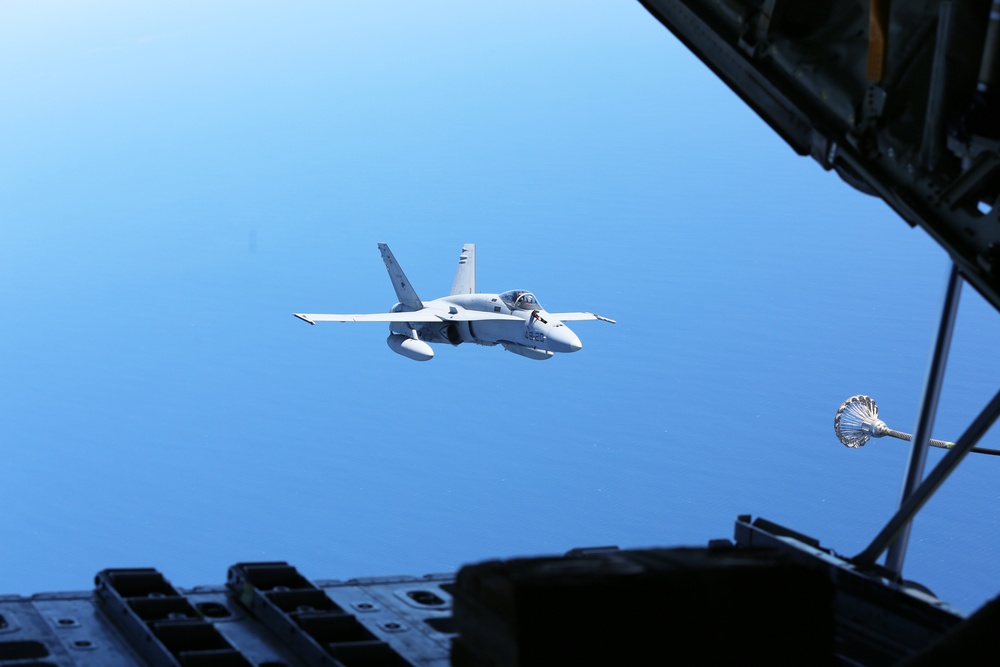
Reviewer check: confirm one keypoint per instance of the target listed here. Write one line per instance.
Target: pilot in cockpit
(520, 299)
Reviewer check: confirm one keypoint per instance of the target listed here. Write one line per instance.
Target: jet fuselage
(533, 329)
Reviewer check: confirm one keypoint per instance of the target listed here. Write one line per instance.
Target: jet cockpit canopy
(520, 299)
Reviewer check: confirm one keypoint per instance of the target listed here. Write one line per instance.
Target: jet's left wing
(475, 316)
(424, 315)
(412, 316)
(577, 317)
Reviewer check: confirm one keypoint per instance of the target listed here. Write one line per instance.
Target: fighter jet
(513, 319)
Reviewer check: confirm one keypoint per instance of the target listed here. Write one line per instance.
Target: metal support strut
(895, 534)
(927, 488)
(926, 413)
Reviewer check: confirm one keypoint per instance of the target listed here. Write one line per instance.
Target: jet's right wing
(413, 316)
(579, 317)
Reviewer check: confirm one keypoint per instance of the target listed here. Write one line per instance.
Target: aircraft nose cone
(562, 339)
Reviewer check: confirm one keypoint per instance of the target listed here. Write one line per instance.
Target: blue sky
(177, 180)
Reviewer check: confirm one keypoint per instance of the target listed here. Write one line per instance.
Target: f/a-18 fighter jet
(513, 319)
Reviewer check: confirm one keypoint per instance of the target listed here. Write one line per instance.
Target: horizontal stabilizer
(579, 317)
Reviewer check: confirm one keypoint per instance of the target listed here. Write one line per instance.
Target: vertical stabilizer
(404, 291)
(465, 277)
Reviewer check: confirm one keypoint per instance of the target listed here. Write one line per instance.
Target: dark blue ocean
(175, 182)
